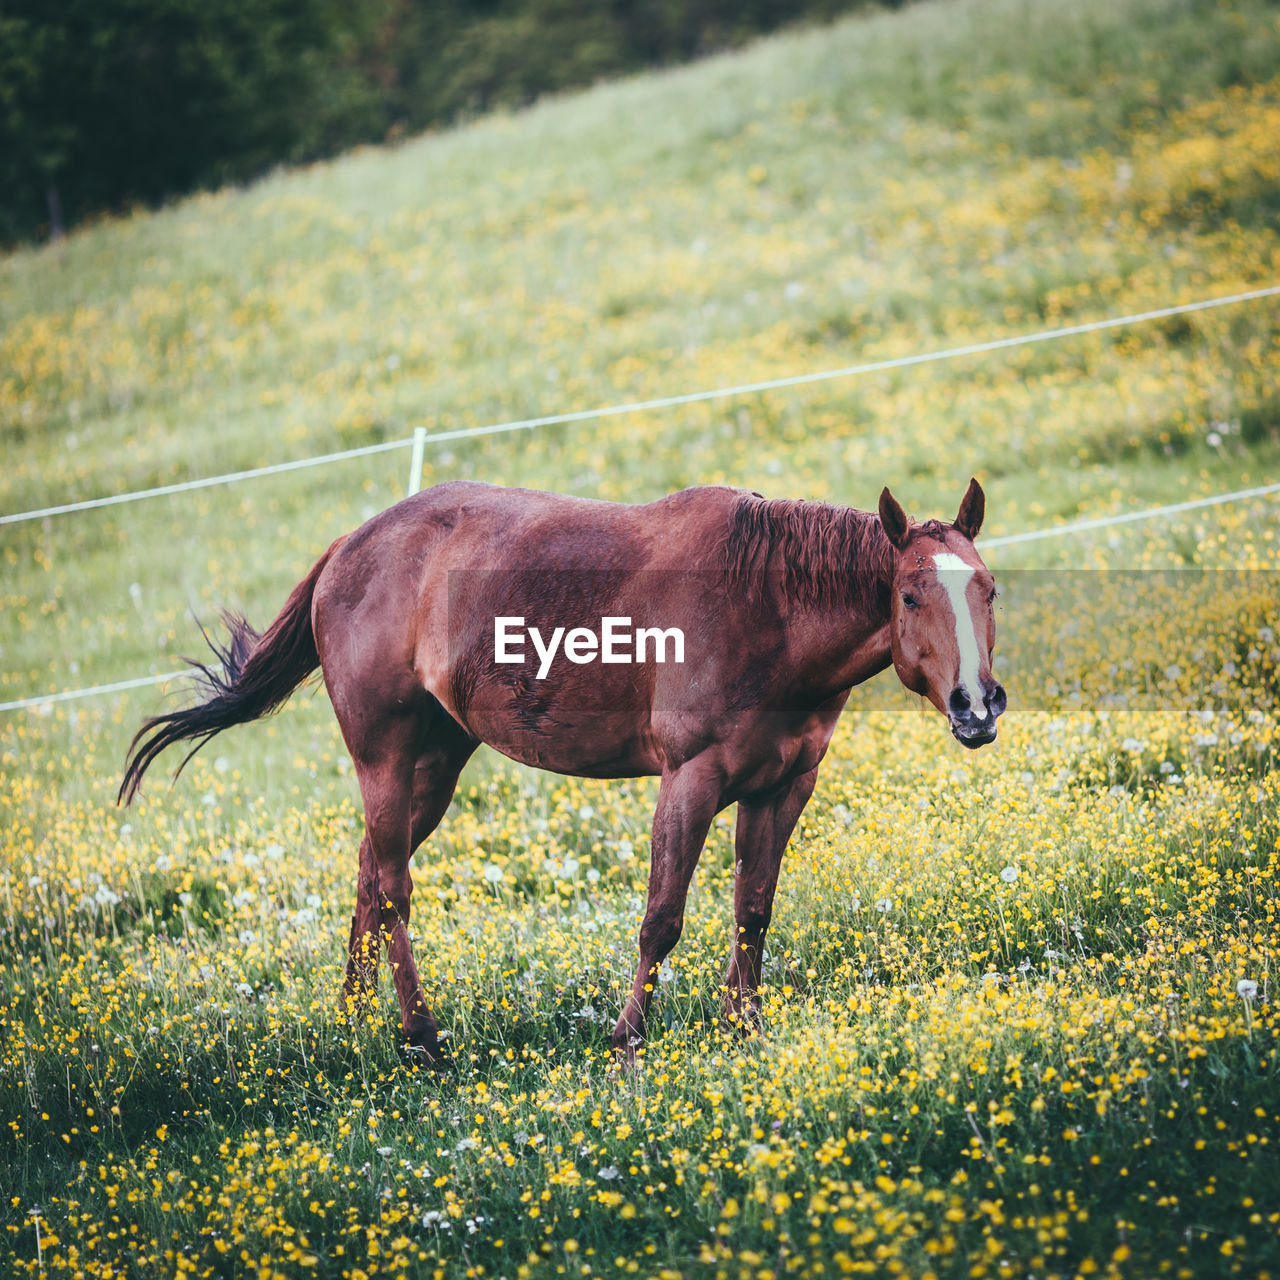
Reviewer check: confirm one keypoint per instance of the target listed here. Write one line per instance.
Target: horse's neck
(839, 649)
(831, 570)
(822, 557)
(851, 641)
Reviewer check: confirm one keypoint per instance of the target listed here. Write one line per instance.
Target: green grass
(898, 182)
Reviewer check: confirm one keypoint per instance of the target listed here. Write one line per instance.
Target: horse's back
(412, 599)
(490, 522)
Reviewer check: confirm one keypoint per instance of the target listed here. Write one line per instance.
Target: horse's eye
(991, 599)
(910, 601)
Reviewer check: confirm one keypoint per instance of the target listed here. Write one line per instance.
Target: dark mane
(828, 556)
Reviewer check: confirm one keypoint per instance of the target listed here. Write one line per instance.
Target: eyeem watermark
(616, 642)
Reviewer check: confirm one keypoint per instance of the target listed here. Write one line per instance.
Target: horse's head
(941, 626)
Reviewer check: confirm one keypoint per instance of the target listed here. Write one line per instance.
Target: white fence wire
(421, 438)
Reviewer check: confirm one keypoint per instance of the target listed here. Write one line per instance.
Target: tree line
(109, 103)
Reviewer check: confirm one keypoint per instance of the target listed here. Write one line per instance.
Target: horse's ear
(973, 506)
(893, 519)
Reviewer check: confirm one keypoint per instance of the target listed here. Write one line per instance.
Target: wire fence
(1131, 517)
(69, 695)
(421, 437)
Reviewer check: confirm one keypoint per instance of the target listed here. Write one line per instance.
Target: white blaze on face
(954, 574)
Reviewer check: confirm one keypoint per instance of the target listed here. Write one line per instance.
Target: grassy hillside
(889, 185)
(1006, 1027)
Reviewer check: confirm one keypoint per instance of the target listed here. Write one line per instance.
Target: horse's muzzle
(978, 736)
(970, 728)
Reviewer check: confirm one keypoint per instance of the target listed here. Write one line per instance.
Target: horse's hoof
(427, 1050)
(419, 1058)
(741, 1013)
(626, 1054)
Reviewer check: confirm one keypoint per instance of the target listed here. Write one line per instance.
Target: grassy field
(1021, 1013)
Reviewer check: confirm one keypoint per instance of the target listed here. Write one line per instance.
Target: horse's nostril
(959, 701)
(996, 700)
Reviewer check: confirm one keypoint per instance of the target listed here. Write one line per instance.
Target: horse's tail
(258, 674)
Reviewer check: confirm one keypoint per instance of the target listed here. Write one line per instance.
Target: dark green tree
(104, 103)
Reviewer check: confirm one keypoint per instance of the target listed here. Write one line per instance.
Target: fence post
(415, 463)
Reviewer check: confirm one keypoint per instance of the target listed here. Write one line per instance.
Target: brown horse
(435, 625)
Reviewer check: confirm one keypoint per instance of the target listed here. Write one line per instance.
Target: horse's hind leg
(406, 786)
(688, 799)
(759, 843)
(363, 946)
(435, 777)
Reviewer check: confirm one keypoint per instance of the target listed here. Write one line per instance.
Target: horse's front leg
(761, 838)
(688, 799)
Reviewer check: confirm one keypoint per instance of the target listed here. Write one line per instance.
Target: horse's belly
(584, 723)
(561, 757)
(585, 750)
